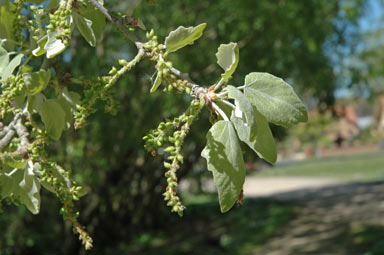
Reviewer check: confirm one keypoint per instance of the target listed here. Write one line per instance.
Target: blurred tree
(286, 38)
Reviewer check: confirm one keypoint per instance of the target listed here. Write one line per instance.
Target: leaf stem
(117, 22)
(219, 84)
(222, 114)
(227, 103)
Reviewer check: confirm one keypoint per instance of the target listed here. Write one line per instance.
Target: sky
(369, 22)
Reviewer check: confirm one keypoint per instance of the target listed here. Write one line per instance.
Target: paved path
(326, 210)
(268, 186)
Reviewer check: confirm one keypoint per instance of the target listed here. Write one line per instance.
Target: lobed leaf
(36, 81)
(53, 46)
(4, 59)
(245, 110)
(40, 48)
(7, 18)
(263, 143)
(275, 99)
(68, 101)
(228, 59)
(85, 27)
(12, 162)
(96, 17)
(156, 83)
(30, 190)
(9, 182)
(15, 62)
(35, 102)
(182, 37)
(225, 160)
(53, 117)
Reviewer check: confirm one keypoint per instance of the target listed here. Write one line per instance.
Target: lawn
(362, 167)
(204, 230)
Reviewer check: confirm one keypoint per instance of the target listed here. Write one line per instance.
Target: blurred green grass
(204, 230)
(363, 167)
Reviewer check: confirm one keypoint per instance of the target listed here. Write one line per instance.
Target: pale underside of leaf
(85, 27)
(225, 160)
(4, 59)
(245, 108)
(54, 46)
(182, 37)
(263, 143)
(156, 83)
(228, 59)
(15, 62)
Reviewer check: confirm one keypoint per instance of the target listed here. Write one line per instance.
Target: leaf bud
(113, 71)
(169, 149)
(122, 62)
(165, 72)
(180, 158)
(152, 33)
(167, 164)
(171, 203)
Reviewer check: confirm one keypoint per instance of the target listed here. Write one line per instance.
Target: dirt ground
(326, 210)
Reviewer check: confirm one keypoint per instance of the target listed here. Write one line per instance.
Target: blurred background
(325, 195)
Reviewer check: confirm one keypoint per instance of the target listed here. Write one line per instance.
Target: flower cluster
(173, 132)
(59, 22)
(10, 89)
(19, 22)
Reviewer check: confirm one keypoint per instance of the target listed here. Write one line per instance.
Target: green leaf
(182, 36)
(36, 81)
(53, 46)
(244, 109)
(35, 102)
(68, 101)
(225, 160)
(96, 17)
(275, 99)
(15, 62)
(30, 190)
(85, 27)
(53, 117)
(9, 182)
(53, 4)
(156, 84)
(7, 18)
(12, 162)
(228, 58)
(40, 49)
(263, 143)
(4, 59)
(131, 5)
(36, 1)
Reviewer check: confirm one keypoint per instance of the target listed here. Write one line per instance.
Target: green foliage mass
(107, 155)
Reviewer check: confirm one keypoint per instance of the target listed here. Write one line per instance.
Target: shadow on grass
(204, 230)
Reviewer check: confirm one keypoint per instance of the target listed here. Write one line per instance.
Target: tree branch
(22, 132)
(117, 21)
(8, 132)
